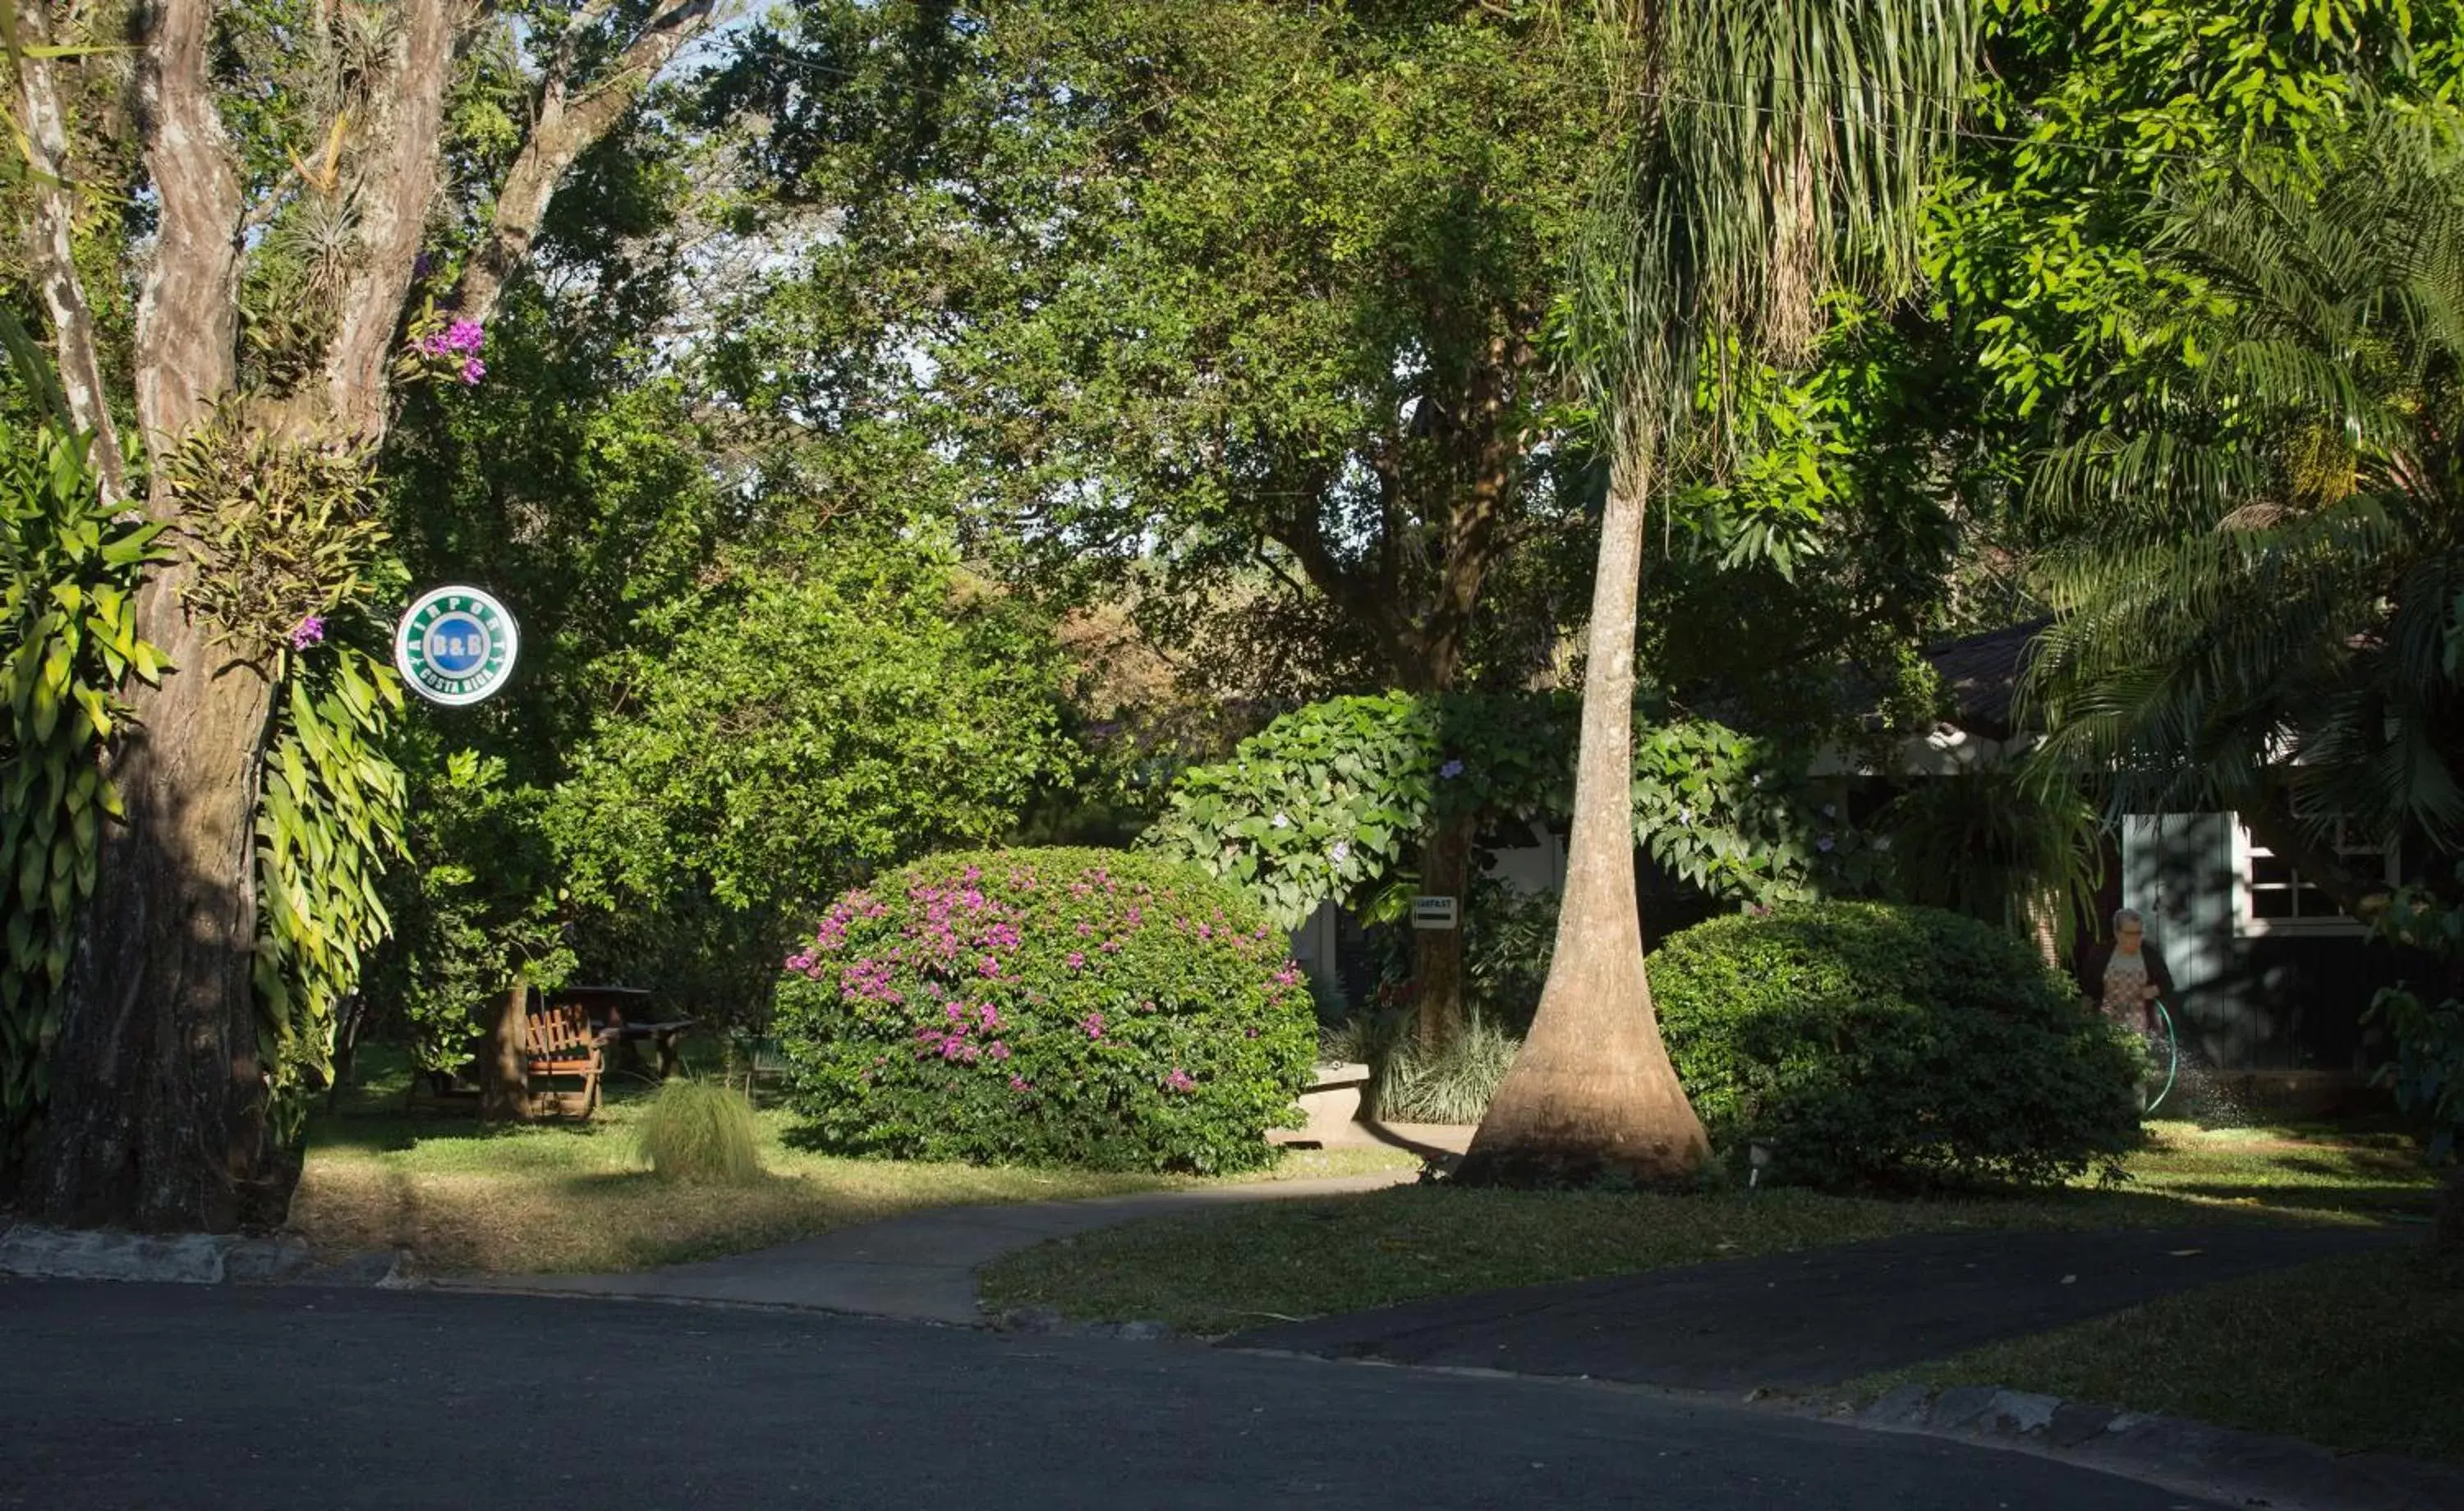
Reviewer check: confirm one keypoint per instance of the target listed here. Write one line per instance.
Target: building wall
(2249, 1001)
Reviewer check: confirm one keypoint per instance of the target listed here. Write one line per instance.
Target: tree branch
(1300, 533)
(397, 187)
(187, 311)
(52, 250)
(567, 127)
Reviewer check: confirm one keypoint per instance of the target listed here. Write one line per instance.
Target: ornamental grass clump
(1075, 1007)
(1869, 1047)
(701, 1132)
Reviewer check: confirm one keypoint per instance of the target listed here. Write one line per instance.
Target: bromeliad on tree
(287, 242)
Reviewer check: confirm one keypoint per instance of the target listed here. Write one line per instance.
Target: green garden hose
(2172, 1060)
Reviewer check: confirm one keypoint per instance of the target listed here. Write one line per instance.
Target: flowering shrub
(1051, 1007)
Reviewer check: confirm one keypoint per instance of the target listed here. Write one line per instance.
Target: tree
(801, 723)
(2260, 553)
(1769, 138)
(293, 166)
(1251, 293)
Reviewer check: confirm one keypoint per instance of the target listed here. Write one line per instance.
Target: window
(2270, 896)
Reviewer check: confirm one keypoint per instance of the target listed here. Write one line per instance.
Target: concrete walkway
(920, 1267)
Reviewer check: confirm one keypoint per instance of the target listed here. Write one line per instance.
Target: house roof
(1981, 672)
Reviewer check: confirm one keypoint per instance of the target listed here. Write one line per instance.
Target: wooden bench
(562, 1044)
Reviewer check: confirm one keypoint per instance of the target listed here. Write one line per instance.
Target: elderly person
(2127, 978)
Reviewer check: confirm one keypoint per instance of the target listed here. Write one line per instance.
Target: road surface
(276, 1398)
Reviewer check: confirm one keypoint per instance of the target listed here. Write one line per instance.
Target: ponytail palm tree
(2259, 605)
(1776, 152)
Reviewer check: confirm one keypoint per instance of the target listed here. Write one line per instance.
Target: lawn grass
(1216, 1271)
(2361, 1352)
(578, 1197)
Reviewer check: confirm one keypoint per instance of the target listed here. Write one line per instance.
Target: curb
(2214, 1463)
(1043, 1322)
(107, 1254)
(2222, 1463)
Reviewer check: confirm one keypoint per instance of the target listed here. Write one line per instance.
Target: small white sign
(1433, 912)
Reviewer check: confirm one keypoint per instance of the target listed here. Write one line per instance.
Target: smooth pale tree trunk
(1593, 1093)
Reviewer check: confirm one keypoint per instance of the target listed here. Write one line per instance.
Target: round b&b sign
(456, 646)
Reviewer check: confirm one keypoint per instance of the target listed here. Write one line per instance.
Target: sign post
(456, 646)
(1433, 912)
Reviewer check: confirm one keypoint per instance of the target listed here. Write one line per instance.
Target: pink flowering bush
(1050, 1007)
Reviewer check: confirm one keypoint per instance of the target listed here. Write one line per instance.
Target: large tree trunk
(158, 1116)
(1489, 466)
(1438, 954)
(504, 1071)
(1593, 1093)
(158, 1105)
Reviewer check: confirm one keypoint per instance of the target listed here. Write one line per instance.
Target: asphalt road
(276, 1398)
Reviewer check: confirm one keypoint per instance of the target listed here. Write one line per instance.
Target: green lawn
(2363, 1352)
(1216, 1271)
(576, 1198)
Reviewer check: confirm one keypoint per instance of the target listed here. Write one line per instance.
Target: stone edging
(195, 1259)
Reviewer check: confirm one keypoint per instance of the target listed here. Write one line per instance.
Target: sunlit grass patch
(577, 1198)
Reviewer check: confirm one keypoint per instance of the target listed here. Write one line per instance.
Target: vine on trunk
(68, 571)
(329, 815)
(285, 537)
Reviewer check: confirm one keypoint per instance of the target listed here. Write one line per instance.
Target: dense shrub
(1873, 1046)
(1075, 1007)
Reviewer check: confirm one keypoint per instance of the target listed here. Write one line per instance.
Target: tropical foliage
(2262, 613)
(1322, 804)
(69, 565)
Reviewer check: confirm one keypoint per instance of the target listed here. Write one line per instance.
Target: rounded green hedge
(1052, 1007)
(1871, 1045)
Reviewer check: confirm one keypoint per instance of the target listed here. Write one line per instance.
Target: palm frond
(1778, 152)
(2263, 566)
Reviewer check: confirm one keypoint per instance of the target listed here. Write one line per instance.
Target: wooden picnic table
(625, 1018)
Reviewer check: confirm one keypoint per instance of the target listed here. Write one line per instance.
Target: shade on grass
(2361, 1352)
(1217, 1271)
